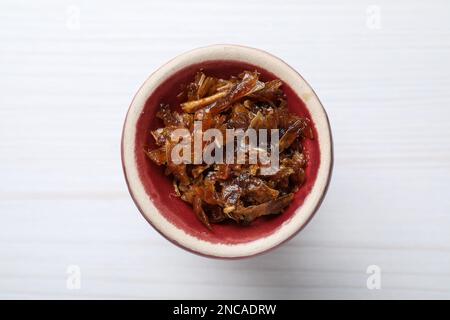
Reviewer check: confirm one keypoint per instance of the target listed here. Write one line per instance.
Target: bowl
(153, 192)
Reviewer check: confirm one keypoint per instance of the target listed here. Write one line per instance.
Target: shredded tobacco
(237, 192)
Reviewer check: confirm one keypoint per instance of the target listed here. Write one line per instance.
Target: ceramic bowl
(153, 192)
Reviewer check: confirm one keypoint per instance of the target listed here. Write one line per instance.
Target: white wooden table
(68, 71)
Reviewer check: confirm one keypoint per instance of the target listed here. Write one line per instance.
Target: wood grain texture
(64, 94)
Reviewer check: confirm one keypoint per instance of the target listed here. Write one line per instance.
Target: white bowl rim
(288, 75)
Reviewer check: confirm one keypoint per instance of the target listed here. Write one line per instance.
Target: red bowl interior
(159, 186)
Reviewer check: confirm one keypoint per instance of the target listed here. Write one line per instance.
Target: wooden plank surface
(69, 69)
